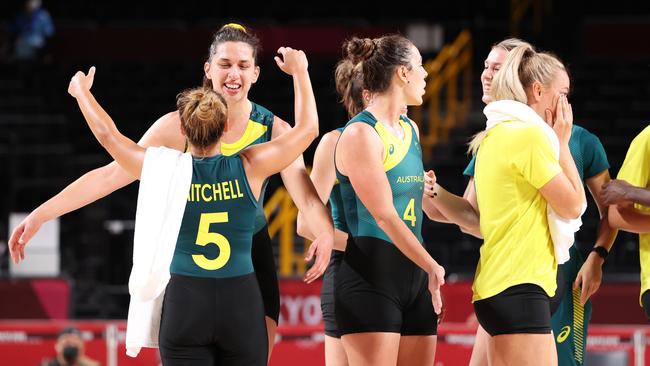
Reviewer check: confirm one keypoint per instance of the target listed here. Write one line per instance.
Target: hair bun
(359, 49)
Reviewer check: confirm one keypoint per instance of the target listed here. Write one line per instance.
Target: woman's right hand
(562, 120)
(436, 279)
(81, 82)
(292, 61)
(21, 235)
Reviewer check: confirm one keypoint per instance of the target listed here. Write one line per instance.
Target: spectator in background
(30, 32)
(70, 350)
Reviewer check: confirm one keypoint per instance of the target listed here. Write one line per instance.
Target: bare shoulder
(329, 139)
(412, 123)
(166, 131)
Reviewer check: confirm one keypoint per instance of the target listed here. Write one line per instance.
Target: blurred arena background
(147, 51)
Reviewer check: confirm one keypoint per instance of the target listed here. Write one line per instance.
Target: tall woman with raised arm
(230, 70)
(212, 312)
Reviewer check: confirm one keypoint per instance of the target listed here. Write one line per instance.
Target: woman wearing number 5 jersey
(231, 70)
(212, 312)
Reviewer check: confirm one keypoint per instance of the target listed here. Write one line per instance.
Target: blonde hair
(203, 115)
(521, 68)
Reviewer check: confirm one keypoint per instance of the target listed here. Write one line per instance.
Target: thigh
(372, 348)
(417, 350)
(266, 272)
(419, 318)
(327, 295)
(523, 349)
(242, 336)
(570, 326)
(187, 323)
(334, 352)
(362, 307)
(480, 349)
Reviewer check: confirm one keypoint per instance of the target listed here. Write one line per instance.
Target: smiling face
(416, 78)
(491, 65)
(232, 70)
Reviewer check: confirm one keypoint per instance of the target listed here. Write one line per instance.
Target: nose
(233, 73)
(487, 74)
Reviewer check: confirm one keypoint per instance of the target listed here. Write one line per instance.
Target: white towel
(562, 230)
(164, 185)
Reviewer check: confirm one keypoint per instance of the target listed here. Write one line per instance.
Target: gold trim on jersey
(254, 130)
(395, 149)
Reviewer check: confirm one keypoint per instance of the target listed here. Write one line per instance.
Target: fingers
(549, 117)
(316, 270)
(311, 251)
(91, 72)
(14, 243)
(279, 61)
(436, 299)
(584, 295)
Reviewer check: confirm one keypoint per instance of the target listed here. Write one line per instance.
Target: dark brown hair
(203, 115)
(349, 85)
(378, 57)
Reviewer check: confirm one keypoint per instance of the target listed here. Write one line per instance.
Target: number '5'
(205, 237)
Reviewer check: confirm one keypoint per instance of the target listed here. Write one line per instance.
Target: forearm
(640, 196)
(306, 113)
(606, 234)
(569, 168)
(88, 188)
(432, 211)
(457, 210)
(406, 241)
(100, 123)
(629, 219)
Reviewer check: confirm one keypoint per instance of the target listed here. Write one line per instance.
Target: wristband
(601, 251)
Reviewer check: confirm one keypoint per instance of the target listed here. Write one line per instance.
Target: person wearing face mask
(69, 349)
(230, 70)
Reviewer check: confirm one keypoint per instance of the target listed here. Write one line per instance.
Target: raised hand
(292, 61)
(562, 119)
(81, 82)
(429, 183)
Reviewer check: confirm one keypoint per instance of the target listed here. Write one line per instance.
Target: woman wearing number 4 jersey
(212, 312)
(230, 70)
(387, 289)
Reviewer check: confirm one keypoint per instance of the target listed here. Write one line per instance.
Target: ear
(206, 69)
(402, 72)
(256, 74)
(226, 126)
(537, 89)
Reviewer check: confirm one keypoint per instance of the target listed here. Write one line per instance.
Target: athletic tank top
(336, 204)
(258, 130)
(404, 170)
(216, 231)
